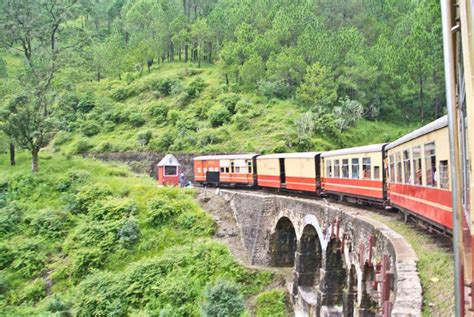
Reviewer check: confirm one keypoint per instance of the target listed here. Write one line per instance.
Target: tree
(318, 89)
(34, 29)
(252, 71)
(288, 68)
(223, 299)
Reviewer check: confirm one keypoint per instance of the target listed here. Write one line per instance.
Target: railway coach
(419, 182)
(356, 173)
(290, 171)
(232, 170)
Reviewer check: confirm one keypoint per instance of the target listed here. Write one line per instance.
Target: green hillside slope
(182, 108)
(85, 238)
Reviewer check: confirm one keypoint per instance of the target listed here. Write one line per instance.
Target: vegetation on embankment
(185, 109)
(435, 265)
(92, 239)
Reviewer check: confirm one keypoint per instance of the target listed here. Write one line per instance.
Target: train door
(317, 166)
(282, 171)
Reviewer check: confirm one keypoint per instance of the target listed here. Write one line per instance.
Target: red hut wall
(172, 180)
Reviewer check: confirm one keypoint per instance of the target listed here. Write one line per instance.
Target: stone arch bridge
(344, 263)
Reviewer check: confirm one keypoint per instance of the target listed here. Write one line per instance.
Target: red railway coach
(355, 172)
(292, 171)
(418, 165)
(238, 169)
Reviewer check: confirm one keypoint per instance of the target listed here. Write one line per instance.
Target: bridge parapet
(344, 262)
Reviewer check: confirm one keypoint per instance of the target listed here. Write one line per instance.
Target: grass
(435, 266)
(90, 238)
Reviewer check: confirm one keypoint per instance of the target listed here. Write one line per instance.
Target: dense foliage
(312, 69)
(85, 239)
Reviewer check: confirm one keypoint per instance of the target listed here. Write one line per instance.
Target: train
(410, 174)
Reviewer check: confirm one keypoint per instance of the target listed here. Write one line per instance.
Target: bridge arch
(309, 258)
(283, 244)
(335, 278)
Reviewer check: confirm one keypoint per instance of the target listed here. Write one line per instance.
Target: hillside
(182, 108)
(85, 238)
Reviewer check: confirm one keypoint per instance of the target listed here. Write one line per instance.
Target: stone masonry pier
(344, 263)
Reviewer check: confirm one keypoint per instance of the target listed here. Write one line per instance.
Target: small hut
(168, 170)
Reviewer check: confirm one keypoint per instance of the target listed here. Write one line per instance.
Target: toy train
(410, 174)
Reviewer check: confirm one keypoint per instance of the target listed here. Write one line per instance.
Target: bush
(3, 286)
(29, 258)
(243, 106)
(32, 292)
(123, 93)
(230, 102)
(271, 303)
(90, 128)
(129, 234)
(7, 256)
(161, 211)
(136, 119)
(159, 112)
(82, 146)
(56, 306)
(241, 121)
(101, 295)
(52, 224)
(270, 89)
(86, 260)
(143, 138)
(223, 299)
(87, 196)
(92, 234)
(163, 142)
(10, 218)
(112, 209)
(166, 86)
(218, 115)
(62, 137)
(86, 104)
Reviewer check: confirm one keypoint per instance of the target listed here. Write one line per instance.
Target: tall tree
(33, 27)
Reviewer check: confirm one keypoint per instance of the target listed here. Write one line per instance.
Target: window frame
(352, 168)
(364, 164)
(175, 170)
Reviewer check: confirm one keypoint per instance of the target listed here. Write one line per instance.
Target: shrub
(223, 299)
(243, 106)
(122, 93)
(196, 87)
(230, 102)
(82, 146)
(159, 112)
(112, 209)
(165, 86)
(10, 218)
(7, 256)
(32, 292)
(86, 196)
(208, 137)
(241, 121)
(90, 128)
(271, 303)
(161, 211)
(136, 119)
(163, 142)
(278, 89)
(29, 258)
(101, 295)
(186, 124)
(85, 104)
(52, 224)
(129, 234)
(218, 115)
(62, 137)
(3, 285)
(86, 260)
(92, 234)
(144, 137)
(56, 306)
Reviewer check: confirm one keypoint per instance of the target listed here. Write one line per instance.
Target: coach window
(337, 171)
(199, 170)
(222, 169)
(416, 152)
(237, 169)
(329, 168)
(407, 167)
(398, 157)
(376, 172)
(232, 167)
(345, 168)
(249, 165)
(366, 168)
(355, 168)
(443, 174)
(430, 165)
(392, 169)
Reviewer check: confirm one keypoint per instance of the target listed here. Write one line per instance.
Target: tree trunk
(210, 52)
(186, 47)
(199, 55)
(171, 51)
(422, 110)
(12, 154)
(98, 75)
(179, 54)
(34, 161)
(227, 79)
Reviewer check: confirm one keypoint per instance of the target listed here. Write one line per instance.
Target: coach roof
(289, 155)
(226, 157)
(430, 127)
(354, 150)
